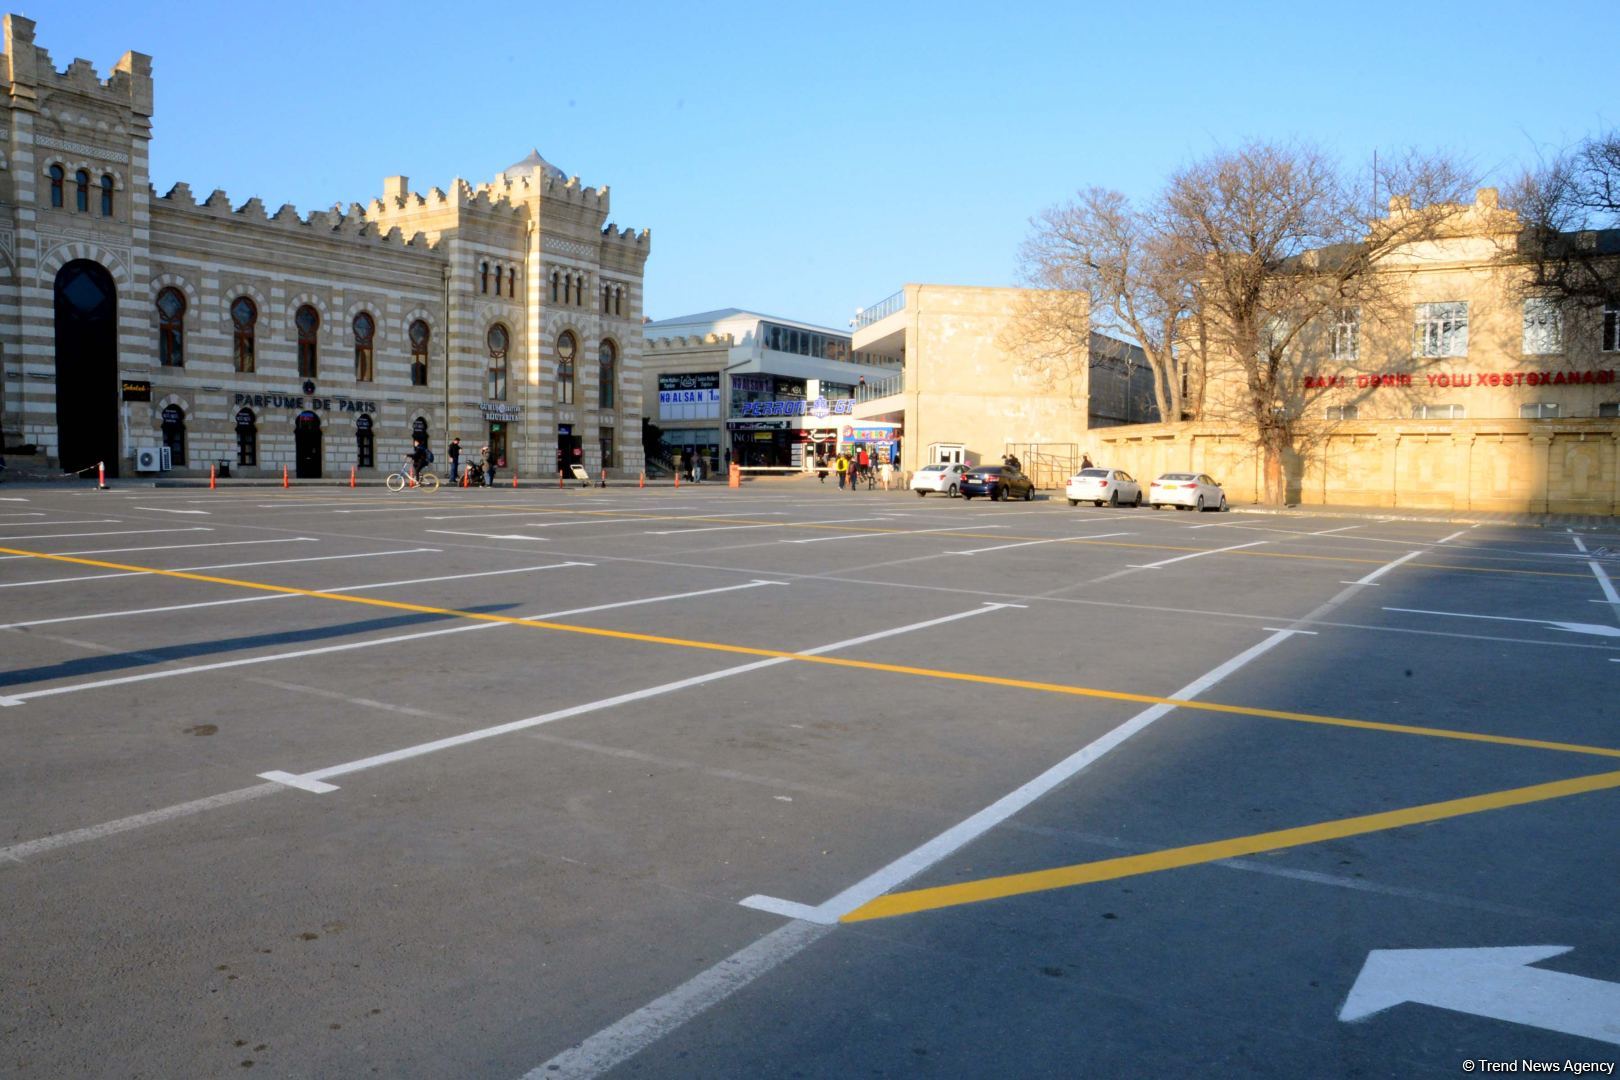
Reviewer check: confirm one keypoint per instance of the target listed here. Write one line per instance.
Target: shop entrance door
(497, 443)
(86, 368)
(570, 448)
(307, 446)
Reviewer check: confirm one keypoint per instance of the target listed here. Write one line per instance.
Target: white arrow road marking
(1495, 983)
(163, 510)
(1573, 627)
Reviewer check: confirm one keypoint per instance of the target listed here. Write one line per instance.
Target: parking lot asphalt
(794, 781)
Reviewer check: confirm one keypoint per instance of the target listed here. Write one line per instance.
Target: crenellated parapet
(29, 70)
(353, 225)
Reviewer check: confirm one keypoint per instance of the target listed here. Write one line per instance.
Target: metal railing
(881, 387)
(881, 310)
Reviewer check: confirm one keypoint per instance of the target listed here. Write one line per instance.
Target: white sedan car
(1186, 491)
(942, 478)
(1112, 486)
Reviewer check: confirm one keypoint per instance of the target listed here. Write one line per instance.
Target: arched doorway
(86, 367)
(307, 446)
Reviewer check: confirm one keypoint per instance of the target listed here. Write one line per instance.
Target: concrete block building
(137, 330)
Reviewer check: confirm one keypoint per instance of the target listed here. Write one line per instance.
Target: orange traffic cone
(514, 479)
(351, 476)
(643, 481)
(466, 477)
(210, 478)
(284, 481)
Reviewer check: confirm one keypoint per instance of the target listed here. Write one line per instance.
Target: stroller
(475, 474)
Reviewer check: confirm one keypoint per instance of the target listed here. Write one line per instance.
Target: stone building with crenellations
(506, 313)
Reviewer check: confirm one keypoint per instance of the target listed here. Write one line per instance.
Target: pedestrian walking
(821, 467)
(863, 466)
(841, 467)
(455, 459)
(487, 459)
(1085, 461)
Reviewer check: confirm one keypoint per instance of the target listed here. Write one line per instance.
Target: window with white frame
(1437, 412)
(1539, 410)
(1543, 326)
(1611, 326)
(1441, 329)
(1346, 334)
(1340, 412)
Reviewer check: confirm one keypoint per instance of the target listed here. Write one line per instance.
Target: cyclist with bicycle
(418, 459)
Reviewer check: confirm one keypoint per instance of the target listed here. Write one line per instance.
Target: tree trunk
(1274, 445)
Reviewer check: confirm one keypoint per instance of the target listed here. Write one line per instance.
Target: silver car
(943, 478)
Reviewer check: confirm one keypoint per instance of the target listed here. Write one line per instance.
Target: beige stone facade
(507, 311)
(1458, 387)
(973, 380)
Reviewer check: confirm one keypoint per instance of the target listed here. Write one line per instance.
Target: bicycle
(399, 481)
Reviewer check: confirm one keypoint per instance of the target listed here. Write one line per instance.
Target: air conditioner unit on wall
(148, 459)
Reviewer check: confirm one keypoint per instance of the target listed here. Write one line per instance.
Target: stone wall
(1534, 466)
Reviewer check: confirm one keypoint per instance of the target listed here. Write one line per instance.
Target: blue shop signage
(820, 407)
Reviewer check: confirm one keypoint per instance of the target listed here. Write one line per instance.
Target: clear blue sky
(809, 160)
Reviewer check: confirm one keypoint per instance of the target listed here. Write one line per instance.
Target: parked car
(943, 478)
(998, 482)
(1111, 486)
(1186, 491)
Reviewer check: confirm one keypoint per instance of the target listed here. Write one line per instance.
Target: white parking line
(85, 522)
(18, 699)
(1195, 555)
(485, 536)
(1453, 536)
(1382, 570)
(284, 596)
(890, 533)
(164, 510)
(717, 528)
(316, 781)
(110, 532)
(1032, 543)
(178, 547)
(214, 566)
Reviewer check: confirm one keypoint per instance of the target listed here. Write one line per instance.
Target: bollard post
(101, 476)
(514, 479)
(210, 478)
(284, 481)
(351, 475)
(677, 477)
(735, 479)
(643, 481)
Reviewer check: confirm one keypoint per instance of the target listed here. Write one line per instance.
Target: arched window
(607, 302)
(568, 288)
(308, 321)
(106, 195)
(247, 438)
(511, 281)
(420, 336)
(618, 301)
(554, 277)
(174, 434)
(57, 176)
(244, 317)
(607, 375)
(81, 193)
(483, 277)
(171, 306)
(498, 340)
(365, 330)
(565, 368)
(579, 291)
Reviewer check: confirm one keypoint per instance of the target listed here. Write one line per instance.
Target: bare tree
(1285, 260)
(1108, 266)
(1570, 207)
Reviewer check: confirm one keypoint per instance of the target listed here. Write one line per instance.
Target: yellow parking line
(972, 892)
(837, 661)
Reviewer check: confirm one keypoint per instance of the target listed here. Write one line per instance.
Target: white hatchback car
(942, 478)
(1186, 491)
(1112, 486)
